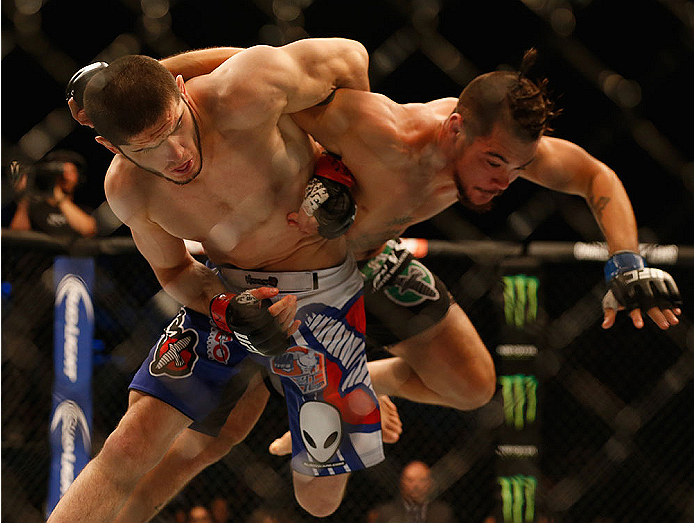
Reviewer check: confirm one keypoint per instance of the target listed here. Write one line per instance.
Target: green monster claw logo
(413, 285)
(520, 299)
(519, 393)
(518, 498)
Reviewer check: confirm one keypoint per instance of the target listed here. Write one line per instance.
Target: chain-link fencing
(586, 423)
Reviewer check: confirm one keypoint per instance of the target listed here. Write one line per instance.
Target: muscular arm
(256, 86)
(306, 71)
(566, 167)
(198, 62)
(316, 67)
(185, 279)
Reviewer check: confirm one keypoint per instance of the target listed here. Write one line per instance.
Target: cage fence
(587, 424)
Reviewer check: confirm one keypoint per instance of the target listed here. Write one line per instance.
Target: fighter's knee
(220, 447)
(319, 496)
(318, 506)
(485, 385)
(126, 452)
(480, 378)
(474, 378)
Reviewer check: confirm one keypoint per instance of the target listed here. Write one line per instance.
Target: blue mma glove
(635, 286)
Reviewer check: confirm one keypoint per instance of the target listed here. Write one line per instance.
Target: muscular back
(399, 178)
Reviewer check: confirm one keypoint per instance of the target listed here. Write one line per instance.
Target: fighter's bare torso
(252, 176)
(400, 177)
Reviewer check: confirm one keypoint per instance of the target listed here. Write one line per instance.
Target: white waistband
(290, 282)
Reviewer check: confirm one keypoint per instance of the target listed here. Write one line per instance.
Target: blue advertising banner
(71, 414)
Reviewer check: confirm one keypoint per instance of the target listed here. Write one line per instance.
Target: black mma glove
(248, 319)
(78, 82)
(328, 197)
(635, 286)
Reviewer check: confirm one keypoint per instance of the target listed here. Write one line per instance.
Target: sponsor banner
(508, 451)
(520, 299)
(515, 351)
(518, 498)
(519, 395)
(71, 414)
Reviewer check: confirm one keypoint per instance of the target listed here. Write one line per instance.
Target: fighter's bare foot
(390, 425)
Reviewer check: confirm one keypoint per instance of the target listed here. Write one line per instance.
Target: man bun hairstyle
(128, 96)
(511, 98)
(529, 102)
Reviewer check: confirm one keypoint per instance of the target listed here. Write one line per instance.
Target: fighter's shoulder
(257, 63)
(558, 163)
(445, 105)
(359, 102)
(552, 151)
(124, 186)
(365, 110)
(240, 89)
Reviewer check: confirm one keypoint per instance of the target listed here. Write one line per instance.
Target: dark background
(619, 71)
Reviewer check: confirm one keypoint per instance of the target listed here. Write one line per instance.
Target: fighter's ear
(103, 141)
(454, 123)
(181, 84)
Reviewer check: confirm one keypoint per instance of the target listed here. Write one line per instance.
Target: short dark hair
(128, 96)
(512, 98)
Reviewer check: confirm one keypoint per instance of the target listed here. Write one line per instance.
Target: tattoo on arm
(402, 220)
(598, 204)
(373, 240)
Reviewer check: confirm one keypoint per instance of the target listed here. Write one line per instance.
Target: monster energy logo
(518, 498)
(520, 299)
(519, 393)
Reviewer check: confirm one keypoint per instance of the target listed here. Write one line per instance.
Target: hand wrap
(248, 318)
(78, 82)
(328, 197)
(635, 286)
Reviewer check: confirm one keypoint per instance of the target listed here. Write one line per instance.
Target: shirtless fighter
(411, 161)
(445, 150)
(217, 160)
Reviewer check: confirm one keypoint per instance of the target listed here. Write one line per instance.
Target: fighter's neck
(434, 153)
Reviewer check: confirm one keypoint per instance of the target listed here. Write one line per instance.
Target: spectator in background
(48, 202)
(180, 515)
(415, 503)
(263, 515)
(200, 514)
(219, 507)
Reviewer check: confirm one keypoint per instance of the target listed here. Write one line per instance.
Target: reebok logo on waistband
(270, 281)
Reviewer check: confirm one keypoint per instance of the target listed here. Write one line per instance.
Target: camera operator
(48, 202)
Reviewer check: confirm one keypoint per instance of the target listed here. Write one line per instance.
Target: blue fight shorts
(334, 416)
